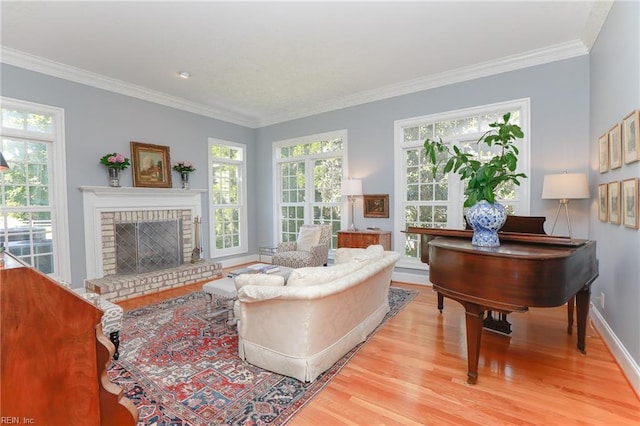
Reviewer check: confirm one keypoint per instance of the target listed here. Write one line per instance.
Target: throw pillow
(308, 236)
(259, 279)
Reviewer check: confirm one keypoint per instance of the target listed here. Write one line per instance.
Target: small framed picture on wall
(615, 147)
(614, 202)
(376, 205)
(603, 150)
(603, 203)
(631, 137)
(630, 203)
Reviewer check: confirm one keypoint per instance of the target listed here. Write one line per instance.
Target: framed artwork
(151, 165)
(630, 203)
(603, 203)
(631, 137)
(603, 149)
(615, 147)
(614, 202)
(376, 205)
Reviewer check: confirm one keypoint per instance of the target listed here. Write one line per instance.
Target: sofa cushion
(371, 253)
(259, 279)
(308, 236)
(303, 277)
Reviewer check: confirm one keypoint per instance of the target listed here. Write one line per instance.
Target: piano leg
(570, 304)
(474, 318)
(582, 308)
(440, 302)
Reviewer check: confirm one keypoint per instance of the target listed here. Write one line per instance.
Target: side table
(364, 238)
(266, 251)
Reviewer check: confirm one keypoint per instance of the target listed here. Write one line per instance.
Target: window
(33, 219)
(423, 200)
(308, 179)
(227, 209)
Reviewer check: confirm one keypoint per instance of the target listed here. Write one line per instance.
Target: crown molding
(56, 69)
(509, 63)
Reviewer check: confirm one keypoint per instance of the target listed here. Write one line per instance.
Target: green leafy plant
(483, 178)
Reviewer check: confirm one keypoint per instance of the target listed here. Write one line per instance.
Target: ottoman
(221, 294)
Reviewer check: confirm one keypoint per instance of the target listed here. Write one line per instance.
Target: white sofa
(302, 328)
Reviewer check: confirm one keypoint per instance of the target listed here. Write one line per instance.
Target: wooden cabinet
(54, 355)
(363, 239)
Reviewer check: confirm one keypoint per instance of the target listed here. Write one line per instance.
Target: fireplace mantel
(100, 199)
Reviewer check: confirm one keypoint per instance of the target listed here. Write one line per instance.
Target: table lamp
(352, 188)
(564, 187)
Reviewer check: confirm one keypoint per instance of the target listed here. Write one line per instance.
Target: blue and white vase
(486, 220)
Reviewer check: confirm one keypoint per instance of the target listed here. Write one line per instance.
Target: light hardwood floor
(413, 371)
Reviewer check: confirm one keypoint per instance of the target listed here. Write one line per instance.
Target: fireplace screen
(148, 246)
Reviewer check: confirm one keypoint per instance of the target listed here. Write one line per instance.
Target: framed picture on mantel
(151, 165)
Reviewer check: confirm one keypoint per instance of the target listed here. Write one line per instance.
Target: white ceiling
(259, 63)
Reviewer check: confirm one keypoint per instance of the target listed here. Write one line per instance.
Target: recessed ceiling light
(184, 74)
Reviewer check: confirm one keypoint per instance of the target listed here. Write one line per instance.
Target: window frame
(456, 186)
(242, 198)
(308, 159)
(58, 204)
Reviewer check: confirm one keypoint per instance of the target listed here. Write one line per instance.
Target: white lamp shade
(351, 187)
(565, 186)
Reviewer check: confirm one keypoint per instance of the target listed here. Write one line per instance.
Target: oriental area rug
(180, 368)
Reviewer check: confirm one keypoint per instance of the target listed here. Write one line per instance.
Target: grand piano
(526, 270)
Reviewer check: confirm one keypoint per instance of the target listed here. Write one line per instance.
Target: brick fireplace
(105, 208)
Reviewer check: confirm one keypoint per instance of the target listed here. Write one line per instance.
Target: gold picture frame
(151, 165)
(614, 202)
(376, 205)
(631, 137)
(603, 203)
(630, 203)
(603, 153)
(615, 148)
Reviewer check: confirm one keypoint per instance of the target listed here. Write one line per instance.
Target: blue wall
(615, 91)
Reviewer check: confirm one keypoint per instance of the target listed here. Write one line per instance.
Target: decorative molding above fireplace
(100, 199)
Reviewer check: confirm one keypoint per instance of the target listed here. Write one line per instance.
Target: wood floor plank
(413, 372)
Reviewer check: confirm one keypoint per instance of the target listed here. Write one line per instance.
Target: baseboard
(627, 364)
(241, 260)
(410, 278)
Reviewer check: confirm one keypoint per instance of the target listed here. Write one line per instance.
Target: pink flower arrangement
(115, 161)
(184, 166)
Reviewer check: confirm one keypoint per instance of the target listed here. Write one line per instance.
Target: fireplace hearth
(107, 210)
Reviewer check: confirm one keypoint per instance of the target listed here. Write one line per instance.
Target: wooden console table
(363, 239)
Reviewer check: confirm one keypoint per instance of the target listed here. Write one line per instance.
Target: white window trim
(524, 165)
(244, 242)
(343, 133)
(60, 216)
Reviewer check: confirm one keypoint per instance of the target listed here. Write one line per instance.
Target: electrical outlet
(602, 300)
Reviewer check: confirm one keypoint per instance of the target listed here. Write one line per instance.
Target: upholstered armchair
(310, 249)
